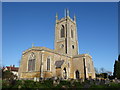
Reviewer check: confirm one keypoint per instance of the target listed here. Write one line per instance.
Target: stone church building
(64, 61)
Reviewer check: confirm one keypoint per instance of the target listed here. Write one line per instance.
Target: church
(63, 62)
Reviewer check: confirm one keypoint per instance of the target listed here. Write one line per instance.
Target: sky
(30, 22)
(0, 34)
(119, 28)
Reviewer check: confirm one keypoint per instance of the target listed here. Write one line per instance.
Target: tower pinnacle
(74, 17)
(66, 12)
(32, 44)
(56, 16)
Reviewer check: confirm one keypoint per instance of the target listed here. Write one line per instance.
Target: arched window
(71, 33)
(48, 63)
(64, 73)
(31, 62)
(62, 31)
(77, 74)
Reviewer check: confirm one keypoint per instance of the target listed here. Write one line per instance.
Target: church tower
(66, 41)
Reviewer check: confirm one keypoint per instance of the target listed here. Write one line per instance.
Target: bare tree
(19, 62)
(96, 70)
(102, 70)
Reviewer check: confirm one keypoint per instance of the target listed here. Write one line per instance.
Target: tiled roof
(59, 63)
(11, 68)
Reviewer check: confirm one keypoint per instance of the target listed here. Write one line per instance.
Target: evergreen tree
(119, 58)
(114, 73)
(117, 68)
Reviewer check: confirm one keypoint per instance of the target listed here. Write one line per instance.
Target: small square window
(73, 47)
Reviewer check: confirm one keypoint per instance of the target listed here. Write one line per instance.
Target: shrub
(113, 85)
(77, 85)
(97, 86)
(48, 84)
(64, 84)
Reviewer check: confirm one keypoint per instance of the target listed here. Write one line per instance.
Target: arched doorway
(77, 74)
(64, 73)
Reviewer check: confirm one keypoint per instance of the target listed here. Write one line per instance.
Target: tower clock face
(61, 46)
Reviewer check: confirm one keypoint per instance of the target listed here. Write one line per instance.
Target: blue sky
(119, 29)
(27, 23)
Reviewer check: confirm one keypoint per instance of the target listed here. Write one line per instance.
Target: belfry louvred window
(71, 33)
(62, 31)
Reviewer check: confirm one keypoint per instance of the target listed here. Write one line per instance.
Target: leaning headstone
(19, 87)
(116, 80)
(72, 81)
(23, 82)
(97, 82)
(107, 81)
(113, 80)
(37, 79)
(56, 81)
(91, 82)
(119, 81)
(34, 79)
(55, 78)
(41, 80)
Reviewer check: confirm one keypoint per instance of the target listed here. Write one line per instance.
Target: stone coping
(82, 55)
(43, 49)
